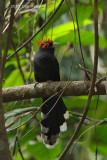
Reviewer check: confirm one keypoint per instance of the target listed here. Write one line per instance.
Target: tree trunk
(4, 146)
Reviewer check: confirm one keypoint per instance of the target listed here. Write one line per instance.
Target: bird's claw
(49, 81)
(36, 84)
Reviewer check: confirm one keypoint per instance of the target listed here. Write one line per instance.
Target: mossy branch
(47, 89)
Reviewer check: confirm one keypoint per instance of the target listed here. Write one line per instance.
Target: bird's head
(46, 44)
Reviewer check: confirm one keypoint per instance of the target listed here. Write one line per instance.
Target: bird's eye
(45, 46)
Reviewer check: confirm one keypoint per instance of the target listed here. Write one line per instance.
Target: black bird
(46, 68)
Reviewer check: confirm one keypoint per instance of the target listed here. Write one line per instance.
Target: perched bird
(46, 68)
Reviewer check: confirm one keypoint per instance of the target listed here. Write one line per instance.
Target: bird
(46, 68)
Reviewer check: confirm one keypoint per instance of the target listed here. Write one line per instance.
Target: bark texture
(4, 147)
(47, 89)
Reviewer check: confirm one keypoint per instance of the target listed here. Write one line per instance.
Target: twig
(74, 39)
(99, 123)
(29, 10)
(26, 111)
(88, 120)
(37, 31)
(84, 69)
(17, 118)
(67, 84)
(95, 129)
(31, 55)
(37, 110)
(7, 10)
(100, 80)
(20, 111)
(13, 2)
(18, 61)
(19, 149)
(92, 83)
(14, 14)
(14, 147)
(45, 20)
(53, 20)
(83, 61)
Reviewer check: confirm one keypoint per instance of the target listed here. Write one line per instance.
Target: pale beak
(55, 44)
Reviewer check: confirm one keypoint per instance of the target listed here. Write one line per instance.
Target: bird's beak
(55, 44)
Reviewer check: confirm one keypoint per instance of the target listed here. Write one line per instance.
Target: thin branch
(45, 20)
(29, 10)
(99, 123)
(83, 61)
(13, 2)
(14, 14)
(92, 82)
(22, 112)
(32, 50)
(7, 10)
(18, 61)
(47, 89)
(96, 128)
(14, 147)
(67, 83)
(56, 93)
(4, 146)
(23, 45)
(18, 112)
(17, 119)
(72, 62)
(86, 70)
(88, 120)
(53, 21)
(100, 80)
(19, 148)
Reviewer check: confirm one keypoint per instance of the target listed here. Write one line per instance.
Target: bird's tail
(53, 121)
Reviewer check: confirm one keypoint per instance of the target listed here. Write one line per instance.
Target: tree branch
(4, 146)
(13, 2)
(25, 43)
(82, 57)
(14, 15)
(47, 89)
(92, 85)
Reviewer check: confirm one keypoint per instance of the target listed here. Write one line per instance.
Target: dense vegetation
(19, 71)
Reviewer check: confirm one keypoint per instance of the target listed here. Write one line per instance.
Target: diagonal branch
(14, 14)
(83, 61)
(92, 82)
(18, 61)
(13, 2)
(23, 45)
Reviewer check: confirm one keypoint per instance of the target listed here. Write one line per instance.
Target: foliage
(61, 28)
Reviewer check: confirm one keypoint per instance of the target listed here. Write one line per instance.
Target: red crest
(44, 41)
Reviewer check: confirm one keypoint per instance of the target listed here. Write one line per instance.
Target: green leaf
(102, 149)
(65, 29)
(38, 150)
(14, 79)
(50, 6)
(87, 38)
(83, 12)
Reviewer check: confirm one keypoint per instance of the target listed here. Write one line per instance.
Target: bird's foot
(49, 81)
(36, 84)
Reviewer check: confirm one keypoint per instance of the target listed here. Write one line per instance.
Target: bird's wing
(46, 68)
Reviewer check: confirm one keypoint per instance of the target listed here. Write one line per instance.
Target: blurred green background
(61, 29)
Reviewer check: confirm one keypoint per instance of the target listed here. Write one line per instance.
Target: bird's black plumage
(46, 67)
